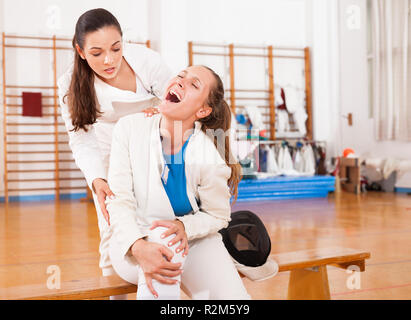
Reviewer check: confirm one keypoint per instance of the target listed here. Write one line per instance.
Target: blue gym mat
(285, 187)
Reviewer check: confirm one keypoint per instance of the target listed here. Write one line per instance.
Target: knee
(155, 236)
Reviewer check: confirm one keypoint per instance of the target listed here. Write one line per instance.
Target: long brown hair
(220, 120)
(81, 95)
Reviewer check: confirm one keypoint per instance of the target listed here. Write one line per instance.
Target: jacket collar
(162, 167)
(197, 127)
(156, 141)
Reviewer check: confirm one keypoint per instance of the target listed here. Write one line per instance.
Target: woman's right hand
(155, 259)
(102, 190)
(149, 112)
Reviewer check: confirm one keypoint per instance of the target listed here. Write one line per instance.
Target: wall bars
(237, 97)
(37, 158)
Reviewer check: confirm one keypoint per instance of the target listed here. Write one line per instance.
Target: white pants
(208, 271)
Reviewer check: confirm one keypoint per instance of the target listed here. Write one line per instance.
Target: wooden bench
(91, 288)
(308, 278)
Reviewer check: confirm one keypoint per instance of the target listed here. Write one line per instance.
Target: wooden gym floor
(35, 236)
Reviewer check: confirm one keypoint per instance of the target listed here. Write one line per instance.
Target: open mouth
(173, 97)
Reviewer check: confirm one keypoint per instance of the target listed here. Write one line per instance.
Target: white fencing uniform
(136, 168)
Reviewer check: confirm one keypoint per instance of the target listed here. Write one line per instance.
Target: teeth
(176, 94)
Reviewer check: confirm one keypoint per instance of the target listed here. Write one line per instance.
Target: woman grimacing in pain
(173, 176)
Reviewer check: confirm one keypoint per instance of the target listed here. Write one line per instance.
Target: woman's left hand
(149, 112)
(174, 227)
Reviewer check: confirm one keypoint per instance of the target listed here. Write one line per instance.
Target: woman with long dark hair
(174, 177)
(108, 80)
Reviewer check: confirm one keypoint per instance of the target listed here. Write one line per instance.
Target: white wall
(280, 22)
(339, 64)
(171, 23)
(167, 29)
(354, 78)
(322, 37)
(34, 67)
(354, 92)
(45, 17)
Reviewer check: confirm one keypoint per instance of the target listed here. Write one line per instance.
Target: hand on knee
(170, 233)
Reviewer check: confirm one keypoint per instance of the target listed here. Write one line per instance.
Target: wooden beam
(36, 47)
(232, 80)
(246, 55)
(29, 87)
(81, 289)
(56, 124)
(190, 53)
(6, 196)
(271, 92)
(36, 38)
(316, 257)
(308, 93)
(309, 284)
(46, 170)
(345, 265)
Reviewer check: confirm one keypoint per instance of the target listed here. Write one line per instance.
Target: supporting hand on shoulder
(149, 112)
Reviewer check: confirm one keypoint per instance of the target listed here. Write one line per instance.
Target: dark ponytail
(81, 95)
(220, 121)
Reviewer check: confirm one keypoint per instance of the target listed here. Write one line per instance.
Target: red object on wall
(32, 104)
(284, 105)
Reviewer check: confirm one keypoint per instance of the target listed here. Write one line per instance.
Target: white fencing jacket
(136, 168)
(91, 149)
